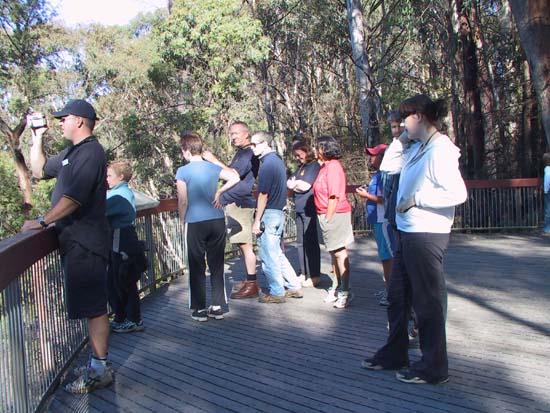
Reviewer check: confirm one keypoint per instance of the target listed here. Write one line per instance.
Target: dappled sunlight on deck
(304, 356)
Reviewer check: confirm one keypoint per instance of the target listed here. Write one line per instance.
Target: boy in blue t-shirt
(375, 212)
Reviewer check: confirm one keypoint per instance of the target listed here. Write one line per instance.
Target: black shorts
(85, 282)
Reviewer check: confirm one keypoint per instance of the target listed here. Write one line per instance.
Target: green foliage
(215, 42)
(11, 217)
(25, 53)
(11, 214)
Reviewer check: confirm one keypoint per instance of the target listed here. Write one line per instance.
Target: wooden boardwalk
(304, 356)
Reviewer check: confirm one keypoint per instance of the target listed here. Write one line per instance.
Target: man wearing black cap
(78, 210)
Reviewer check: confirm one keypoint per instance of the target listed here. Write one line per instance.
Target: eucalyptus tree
(533, 22)
(377, 31)
(216, 45)
(26, 60)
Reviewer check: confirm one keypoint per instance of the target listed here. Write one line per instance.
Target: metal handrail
(37, 341)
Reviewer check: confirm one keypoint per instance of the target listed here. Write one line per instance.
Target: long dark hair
(432, 110)
(330, 147)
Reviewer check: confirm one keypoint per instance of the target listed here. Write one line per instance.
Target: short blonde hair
(122, 167)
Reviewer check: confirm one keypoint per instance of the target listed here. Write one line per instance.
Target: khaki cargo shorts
(239, 224)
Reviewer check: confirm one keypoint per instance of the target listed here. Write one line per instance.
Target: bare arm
(231, 178)
(298, 185)
(63, 208)
(37, 156)
(363, 193)
(260, 208)
(331, 207)
(182, 200)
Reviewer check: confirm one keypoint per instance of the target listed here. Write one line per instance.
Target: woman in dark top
(307, 241)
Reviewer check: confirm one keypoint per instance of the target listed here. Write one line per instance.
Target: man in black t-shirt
(78, 210)
(239, 205)
(270, 221)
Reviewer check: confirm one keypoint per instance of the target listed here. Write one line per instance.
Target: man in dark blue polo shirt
(239, 205)
(270, 221)
(78, 210)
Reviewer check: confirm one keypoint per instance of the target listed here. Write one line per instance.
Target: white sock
(215, 307)
(98, 365)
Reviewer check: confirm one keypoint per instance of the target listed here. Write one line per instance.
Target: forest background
(297, 68)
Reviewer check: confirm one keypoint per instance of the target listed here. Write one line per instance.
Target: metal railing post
(150, 241)
(16, 347)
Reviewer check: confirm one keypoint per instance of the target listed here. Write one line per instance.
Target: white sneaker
(301, 278)
(331, 296)
(343, 300)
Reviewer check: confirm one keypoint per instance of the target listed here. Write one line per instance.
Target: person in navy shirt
(307, 238)
(239, 205)
(269, 223)
(78, 211)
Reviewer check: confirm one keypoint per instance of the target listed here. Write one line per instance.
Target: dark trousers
(307, 243)
(123, 290)
(417, 277)
(206, 238)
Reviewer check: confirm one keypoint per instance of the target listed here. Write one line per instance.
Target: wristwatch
(41, 221)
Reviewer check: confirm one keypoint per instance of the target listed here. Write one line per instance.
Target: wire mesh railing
(37, 341)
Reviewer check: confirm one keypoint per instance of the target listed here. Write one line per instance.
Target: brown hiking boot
(249, 289)
(294, 294)
(238, 286)
(272, 299)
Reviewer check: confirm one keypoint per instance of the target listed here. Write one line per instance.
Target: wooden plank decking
(304, 356)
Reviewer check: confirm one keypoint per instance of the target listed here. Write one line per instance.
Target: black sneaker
(199, 315)
(215, 314)
(371, 364)
(407, 376)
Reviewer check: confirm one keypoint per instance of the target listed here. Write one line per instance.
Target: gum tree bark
(472, 94)
(362, 67)
(23, 178)
(533, 22)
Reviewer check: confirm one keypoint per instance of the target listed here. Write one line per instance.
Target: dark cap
(377, 150)
(77, 107)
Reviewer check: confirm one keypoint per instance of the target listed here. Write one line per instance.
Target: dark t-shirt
(81, 176)
(272, 181)
(246, 164)
(304, 202)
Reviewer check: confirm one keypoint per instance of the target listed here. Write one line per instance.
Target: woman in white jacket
(430, 187)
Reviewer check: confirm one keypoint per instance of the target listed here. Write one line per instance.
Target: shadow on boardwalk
(304, 356)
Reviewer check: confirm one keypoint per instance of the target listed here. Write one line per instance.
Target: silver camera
(36, 120)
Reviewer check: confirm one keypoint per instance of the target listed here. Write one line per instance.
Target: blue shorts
(383, 235)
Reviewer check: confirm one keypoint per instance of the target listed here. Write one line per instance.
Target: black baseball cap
(77, 107)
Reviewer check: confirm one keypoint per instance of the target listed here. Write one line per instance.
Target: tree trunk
(472, 98)
(267, 106)
(533, 22)
(362, 67)
(450, 53)
(23, 177)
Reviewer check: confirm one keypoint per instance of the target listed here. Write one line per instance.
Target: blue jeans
(546, 212)
(277, 270)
